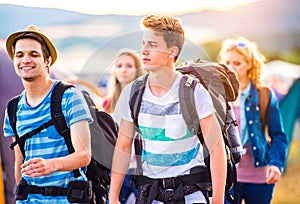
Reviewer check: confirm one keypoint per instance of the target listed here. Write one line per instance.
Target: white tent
(281, 75)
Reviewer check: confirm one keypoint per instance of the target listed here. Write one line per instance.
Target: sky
(133, 7)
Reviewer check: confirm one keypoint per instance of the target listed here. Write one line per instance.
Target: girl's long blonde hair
(251, 53)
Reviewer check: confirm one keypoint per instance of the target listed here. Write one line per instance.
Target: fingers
(273, 174)
(34, 168)
(31, 171)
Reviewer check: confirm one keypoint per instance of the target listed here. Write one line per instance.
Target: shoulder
(72, 91)
(72, 94)
(200, 87)
(200, 91)
(73, 98)
(195, 84)
(129, 88)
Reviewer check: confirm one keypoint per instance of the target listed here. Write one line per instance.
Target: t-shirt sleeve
(7, 129)
(203, 102)
(74, 107)
(122, 109)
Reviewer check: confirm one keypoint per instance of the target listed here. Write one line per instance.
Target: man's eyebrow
(149, 42)
(31, 51)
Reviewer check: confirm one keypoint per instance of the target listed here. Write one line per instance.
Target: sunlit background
(89, 33)
(80, 28)
(133, 7)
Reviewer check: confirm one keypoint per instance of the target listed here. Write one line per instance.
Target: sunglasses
(240, 45)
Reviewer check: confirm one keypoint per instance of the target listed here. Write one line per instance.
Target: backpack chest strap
(21, 140)
(76, 191)
(173, 182)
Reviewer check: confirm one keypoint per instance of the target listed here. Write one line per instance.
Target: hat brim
(10, 40)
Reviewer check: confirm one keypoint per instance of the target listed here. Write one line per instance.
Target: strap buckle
(169, 183)
(58, 116)
(50, 191)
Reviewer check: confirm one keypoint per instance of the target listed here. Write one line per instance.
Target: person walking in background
(44, 167)
(171, 153)
(264, 156)
(127, 67)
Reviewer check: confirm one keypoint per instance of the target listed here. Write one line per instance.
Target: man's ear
(48, 62)
(174, 51)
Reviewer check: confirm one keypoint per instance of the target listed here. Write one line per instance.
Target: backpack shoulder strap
(57, 114)
(12, 108)
(187, 104)
(136, 94)
(56, 110)
(264, 100)
(135, 101)
(58, 117)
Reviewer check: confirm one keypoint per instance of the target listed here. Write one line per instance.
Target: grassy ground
(287, 190)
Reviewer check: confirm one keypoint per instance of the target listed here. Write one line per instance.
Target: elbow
(86, 158)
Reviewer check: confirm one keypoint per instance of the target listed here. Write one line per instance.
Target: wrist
(113, 196)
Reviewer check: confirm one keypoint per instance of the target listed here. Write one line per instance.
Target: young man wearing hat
(44, 174)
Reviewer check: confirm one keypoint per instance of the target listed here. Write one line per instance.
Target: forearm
(214, 141)
(218, 172)
(18, 162)
(72, 161)
(115, 185)
(18, 174)
(278, 148)
(121, 160)
(80, 137)
(37, 167)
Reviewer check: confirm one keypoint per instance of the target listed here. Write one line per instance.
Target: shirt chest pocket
(175, 127)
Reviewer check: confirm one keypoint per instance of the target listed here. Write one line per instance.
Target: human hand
(37, 167)
(273, 174)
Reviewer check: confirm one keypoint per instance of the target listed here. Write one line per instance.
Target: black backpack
(103, 130)
(222, 84)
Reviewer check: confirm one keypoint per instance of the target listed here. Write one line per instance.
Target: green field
(287, 190)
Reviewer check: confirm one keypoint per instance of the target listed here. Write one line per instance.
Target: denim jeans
(254, 193)
(127, 188)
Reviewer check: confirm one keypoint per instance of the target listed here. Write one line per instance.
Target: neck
(243, 84)
(37, 90)
(161, 81)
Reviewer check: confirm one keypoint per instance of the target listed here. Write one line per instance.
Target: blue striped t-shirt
(48, 143)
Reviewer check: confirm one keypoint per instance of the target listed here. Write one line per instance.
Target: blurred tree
(292, 55)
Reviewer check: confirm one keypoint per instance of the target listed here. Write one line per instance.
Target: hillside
(88, 43)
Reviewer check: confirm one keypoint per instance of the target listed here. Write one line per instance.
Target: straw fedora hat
(31, 29)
